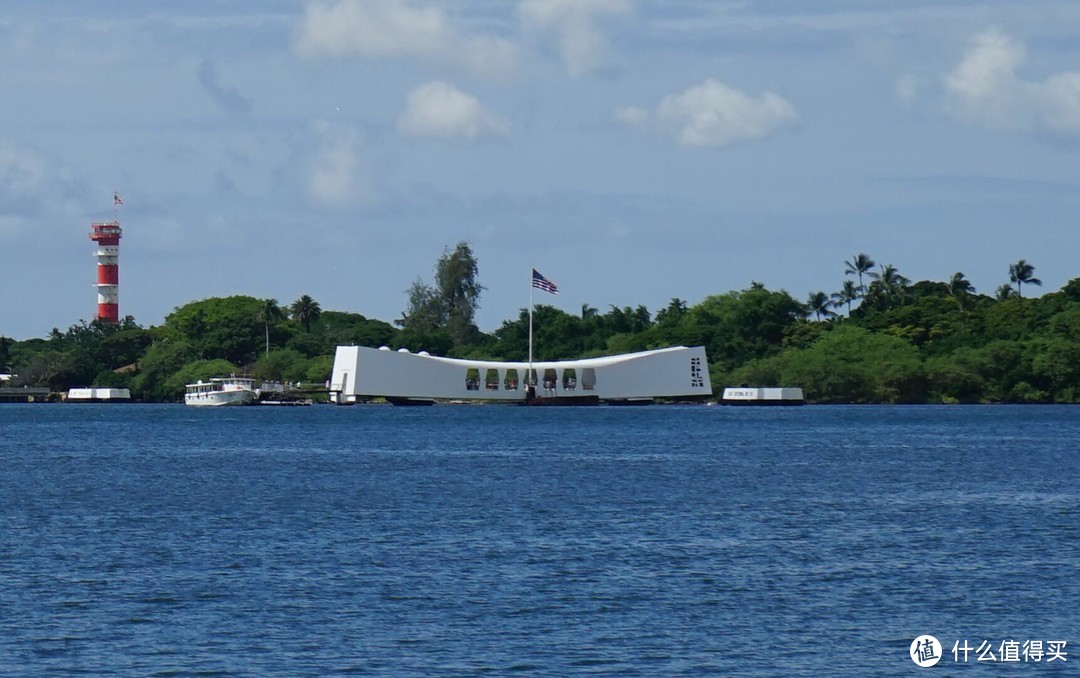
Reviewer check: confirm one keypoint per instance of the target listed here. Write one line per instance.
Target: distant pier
(27, 394)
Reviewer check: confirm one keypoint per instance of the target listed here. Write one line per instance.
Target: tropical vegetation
(879, 338)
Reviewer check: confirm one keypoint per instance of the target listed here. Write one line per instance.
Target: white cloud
(1061, 98)
(335, 179)
(374, 28)
(397, 29)
(986, 88)
(439, 109)
(581, 46)
(984, 84)
(713, 114)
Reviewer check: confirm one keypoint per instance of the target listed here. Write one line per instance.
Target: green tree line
(879, 337)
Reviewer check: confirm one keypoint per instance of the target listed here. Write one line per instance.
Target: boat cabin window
(472, 379)
(491, 379)
(510, 381)
(588, 378)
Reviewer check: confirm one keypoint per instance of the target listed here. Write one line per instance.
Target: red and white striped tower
(107, 236)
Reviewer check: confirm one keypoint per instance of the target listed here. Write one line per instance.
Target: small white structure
(359, 372)
(762, 396)
(98, 395)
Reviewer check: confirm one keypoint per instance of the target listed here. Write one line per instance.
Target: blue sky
(632, 151)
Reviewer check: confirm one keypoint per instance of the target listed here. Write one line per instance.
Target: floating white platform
(361, 372)
(762, 396)
(98, 395)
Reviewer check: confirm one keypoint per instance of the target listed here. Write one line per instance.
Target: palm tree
(1005, 292)
(960, 288)
(859, 264)
(305, 311)
(892, 282)
(1021, 273)
(847, 294)
(818, 303)
(269, 312)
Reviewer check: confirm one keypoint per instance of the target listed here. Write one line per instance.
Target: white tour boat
(221, 391)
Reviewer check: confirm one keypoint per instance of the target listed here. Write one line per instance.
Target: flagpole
(529, 377)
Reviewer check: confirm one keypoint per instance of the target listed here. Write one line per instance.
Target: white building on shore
(98, 395)
(361, 372)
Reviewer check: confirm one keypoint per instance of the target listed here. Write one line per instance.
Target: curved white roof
(549, 364)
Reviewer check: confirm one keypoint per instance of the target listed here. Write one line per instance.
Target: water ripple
(153, 540)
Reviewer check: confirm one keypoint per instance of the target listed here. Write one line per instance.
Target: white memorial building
(400, 376)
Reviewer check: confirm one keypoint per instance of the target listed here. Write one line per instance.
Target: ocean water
(668, 540)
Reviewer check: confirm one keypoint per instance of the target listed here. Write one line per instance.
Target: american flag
(116, 199)
(542, 283)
